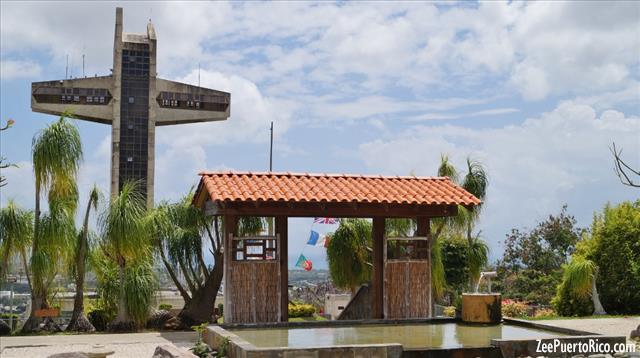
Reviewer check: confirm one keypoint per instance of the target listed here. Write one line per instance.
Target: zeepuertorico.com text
(589, 346)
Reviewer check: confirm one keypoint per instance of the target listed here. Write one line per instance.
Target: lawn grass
(307, 319)
(548, 318)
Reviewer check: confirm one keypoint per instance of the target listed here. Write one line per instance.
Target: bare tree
(623, 170)
(3, 179)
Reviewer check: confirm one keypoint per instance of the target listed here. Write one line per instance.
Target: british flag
(325, 221)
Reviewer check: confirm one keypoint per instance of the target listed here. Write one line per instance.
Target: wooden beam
(230, 230)
(423, 229)
(344, 210)
(282, 229)
(377, 275)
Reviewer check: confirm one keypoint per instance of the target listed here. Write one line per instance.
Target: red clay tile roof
(296, 187)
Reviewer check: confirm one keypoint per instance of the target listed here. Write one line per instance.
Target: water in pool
(411, 336)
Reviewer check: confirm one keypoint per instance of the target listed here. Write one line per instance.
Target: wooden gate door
(253, 279)
(407, 285)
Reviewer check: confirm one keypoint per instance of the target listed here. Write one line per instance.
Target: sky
(535, 91)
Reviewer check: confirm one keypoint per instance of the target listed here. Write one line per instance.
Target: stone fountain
(482, 307)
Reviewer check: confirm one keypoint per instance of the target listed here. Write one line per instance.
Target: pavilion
(256, 268)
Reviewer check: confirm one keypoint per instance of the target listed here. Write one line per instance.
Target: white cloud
(534, 167)
(531, 81)
(481, 113)
(182, 149)
(352, 49)
(251, 114)
(20, 184)
(12, 69)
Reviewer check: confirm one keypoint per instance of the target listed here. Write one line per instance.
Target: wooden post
(377, 275)
(230, 230)
(282, 229)
(423, 229)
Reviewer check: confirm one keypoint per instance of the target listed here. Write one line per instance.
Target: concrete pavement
(618, 326)
(139, 345)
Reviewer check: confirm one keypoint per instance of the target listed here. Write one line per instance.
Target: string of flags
(315, 240)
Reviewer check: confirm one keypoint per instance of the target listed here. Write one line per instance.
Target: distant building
(334, 304)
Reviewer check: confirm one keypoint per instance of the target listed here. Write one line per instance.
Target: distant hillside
(299, 277)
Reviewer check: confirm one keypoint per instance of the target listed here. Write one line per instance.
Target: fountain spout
(486, 275)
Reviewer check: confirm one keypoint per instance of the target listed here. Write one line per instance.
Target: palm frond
(124, 223)
(578, 276)
(476, 180)
(478, 257)
(438, 279)
(16, 232)
(56, 152)
(140, 285)
(446, 169)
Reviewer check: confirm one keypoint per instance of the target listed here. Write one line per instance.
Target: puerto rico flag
(325, 221)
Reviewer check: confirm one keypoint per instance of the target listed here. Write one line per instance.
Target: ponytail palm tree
(16, 234)
(580, 278)
(56, 154)
(178, 232)
(476, 183)
(347, 254)
(79, 321)
(126, 242)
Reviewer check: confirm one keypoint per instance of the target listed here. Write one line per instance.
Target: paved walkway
(139, 345)
(621, 326)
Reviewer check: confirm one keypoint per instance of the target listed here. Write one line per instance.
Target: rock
(169, 351)
(158, 319)
(51, 326)
(81, 324)
(99, 351)
(122, 327)
(635, 334)
(174, 323)
(5, 330)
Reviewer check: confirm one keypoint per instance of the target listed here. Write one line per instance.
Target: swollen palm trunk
(597, 305)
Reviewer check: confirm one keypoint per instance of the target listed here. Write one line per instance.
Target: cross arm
(181, 103)
(89, 99)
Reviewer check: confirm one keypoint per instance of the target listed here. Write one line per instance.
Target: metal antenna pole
(271, 150)
(66, 69)
(83, 66)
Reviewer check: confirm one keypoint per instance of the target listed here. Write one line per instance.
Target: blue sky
(535, 91)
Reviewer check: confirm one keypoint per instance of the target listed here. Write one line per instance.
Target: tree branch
(174, 277)
(185, 274)
(621, 167)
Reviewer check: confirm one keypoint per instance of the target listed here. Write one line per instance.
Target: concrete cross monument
(133, 101)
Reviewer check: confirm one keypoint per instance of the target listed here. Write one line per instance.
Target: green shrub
(220, 309)
(165, 307)
(617, 254)
(545, 313)
(6, 317)
(449, 311)
(301, 310)
(454, 253)
(99, 319)
(514, 309)
(566, 303)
